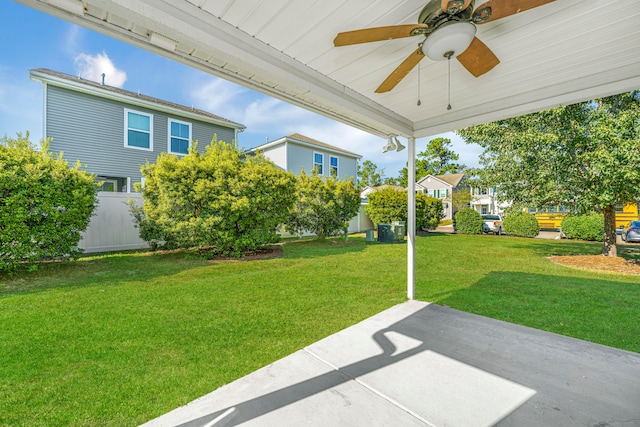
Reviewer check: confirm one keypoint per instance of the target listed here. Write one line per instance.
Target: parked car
(631, 232)
(492, 224)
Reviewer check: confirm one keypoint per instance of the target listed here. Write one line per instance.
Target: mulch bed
(607, 264)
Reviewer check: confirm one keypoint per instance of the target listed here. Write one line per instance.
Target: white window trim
(337, 165)
(169, 121)
(315, 164)
(126, 129)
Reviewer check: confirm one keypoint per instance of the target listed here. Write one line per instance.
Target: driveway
(421, 364)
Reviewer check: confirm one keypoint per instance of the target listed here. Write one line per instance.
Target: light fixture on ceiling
(392, 144)
(450, 39)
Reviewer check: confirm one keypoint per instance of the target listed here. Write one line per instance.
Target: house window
(138, 130)
(179, 137)
(109, 185)
(484, 209)
(333, 163)
(318, 161)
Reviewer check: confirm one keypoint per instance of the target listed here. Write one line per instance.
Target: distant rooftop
(305, 140)
(57, 78)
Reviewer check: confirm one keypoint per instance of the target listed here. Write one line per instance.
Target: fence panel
(111, 228)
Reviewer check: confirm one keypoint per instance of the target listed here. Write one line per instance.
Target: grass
(120, 339)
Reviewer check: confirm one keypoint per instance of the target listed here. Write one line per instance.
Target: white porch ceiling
(560, 53)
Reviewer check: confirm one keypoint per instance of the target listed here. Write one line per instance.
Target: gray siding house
(113, 131)
(296, 152)
(442, 187)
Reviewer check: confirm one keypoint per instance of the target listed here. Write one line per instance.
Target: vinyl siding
(278, 155)
(300, 157)
(91, 129)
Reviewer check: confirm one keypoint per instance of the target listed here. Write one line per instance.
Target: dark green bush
(467, 221)
(584, 227)
(521, 224)
(429, 212)
(44, 204)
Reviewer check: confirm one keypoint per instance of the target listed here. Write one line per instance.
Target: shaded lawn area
(120, 339)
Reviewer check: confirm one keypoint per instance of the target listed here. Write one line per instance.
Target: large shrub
(388, 205)
(323, 206)
(214, 200)
(584, 227)
(429, 212)
(467, 221)
(44, 204)
(523, 224)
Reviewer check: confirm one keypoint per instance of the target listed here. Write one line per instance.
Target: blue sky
(31, 39)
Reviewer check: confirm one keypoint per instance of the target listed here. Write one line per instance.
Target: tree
(585, 155)
(323, 206)
(214, 199)
(388, 205)
(460, 198)
(44, 204)
(369, 174)
(436, 159)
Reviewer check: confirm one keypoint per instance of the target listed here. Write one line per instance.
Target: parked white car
(492, 224)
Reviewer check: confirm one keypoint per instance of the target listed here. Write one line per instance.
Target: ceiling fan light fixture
(455, 36)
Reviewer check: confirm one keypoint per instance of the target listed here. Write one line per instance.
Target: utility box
(370, 235)
(398, 228)
(385, 233)
(391, 233)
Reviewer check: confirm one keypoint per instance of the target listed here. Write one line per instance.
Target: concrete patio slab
(420, 364)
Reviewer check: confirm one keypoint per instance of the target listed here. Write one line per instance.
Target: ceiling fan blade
(401, 72)
(495, 9)
(378, 34)
(454, 6)
(478, 58)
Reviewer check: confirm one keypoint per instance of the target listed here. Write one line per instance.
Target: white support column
(411, 218)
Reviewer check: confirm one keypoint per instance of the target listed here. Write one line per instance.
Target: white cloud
(270, 118)
(91, 67)
(219, 97)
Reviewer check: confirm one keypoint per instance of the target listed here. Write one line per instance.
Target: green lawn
(120, 339)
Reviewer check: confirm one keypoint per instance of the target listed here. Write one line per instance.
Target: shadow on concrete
(444, 367)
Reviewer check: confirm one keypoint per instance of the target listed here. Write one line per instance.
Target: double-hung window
(138, 130)
(333, 164)
(318, 162)
(179, 137)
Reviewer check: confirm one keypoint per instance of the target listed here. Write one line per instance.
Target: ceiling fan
(449, 29)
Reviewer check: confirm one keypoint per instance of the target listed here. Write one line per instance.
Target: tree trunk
(609, 248)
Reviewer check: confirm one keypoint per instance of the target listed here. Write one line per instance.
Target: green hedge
(44, 204)
(521, 224)
(467, 221)
(584, 227)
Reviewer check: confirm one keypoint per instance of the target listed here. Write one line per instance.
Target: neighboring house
(485, 201)
(442, 187)
(295, 152)
(113, 131)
